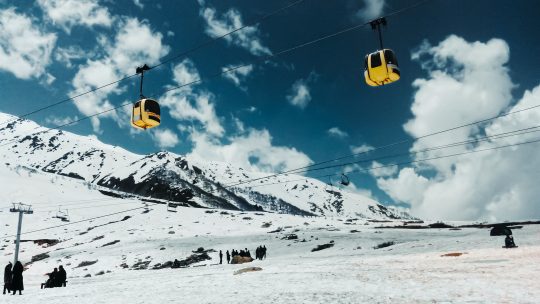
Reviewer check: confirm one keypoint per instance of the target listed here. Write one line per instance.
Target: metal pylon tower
(21, 209)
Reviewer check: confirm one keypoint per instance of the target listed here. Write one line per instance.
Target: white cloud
(165, 138)
(134, 44)
(185, 72)
(251, 109)
(92, 75)
(252, 151)
(337, 132)
(247, 38)
(69, 13)
(47, 79)
(25, 49)
(237, 76)
(185, 104)
(361, 149)
(69, 54)
(194, 107)
(372, 9)
(59, 121)
(469, 81)
(138, 3)
(380, 170)
(300, 95)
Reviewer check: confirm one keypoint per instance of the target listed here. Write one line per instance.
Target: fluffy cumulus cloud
(237, 76)
(300, 92)
(185, 72)
(138, 3)
(217, 26)
(469, 81)
(253, 150)
(68, 55)
(337, 132)
(299, 95)
(189, 104)
(371, 10)
(70, 13)
(25, 49)
(380, 170)
(134, 44)
(165, 138)
(363, 148)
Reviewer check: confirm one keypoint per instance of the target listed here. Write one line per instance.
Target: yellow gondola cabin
(381, 68)
(145, 114)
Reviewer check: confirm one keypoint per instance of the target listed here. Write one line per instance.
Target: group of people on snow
(57, 278)
(13, 278)
(260, 253)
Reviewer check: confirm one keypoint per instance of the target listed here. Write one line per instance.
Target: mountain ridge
(168, 176)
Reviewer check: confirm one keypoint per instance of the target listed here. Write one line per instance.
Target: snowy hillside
(111, 259)
(168, 176)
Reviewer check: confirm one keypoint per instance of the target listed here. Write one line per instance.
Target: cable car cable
(495, 136)
(76, 222)
(223, 72)
(407, 163)
(414, 153)
(180, 55)
(404, 141)
(210, 41)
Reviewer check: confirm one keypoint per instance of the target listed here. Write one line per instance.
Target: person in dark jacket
(7, 277)
(51, 281)
(509, 241)
(17, 281)
(62, 276)
(228, 257)
(54, 278)
(221, 257)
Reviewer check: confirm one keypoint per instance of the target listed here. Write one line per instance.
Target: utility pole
(21, 209)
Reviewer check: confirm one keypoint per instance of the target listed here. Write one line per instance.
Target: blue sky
(306, 106)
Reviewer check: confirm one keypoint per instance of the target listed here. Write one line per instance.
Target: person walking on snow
(228, 257)
(220, 257)
(7, 278)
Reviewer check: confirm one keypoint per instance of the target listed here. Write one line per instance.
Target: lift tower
(21, 209)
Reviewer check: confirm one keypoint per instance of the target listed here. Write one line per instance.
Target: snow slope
(352, 271)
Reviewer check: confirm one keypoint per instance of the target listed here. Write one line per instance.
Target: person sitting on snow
(509, 241)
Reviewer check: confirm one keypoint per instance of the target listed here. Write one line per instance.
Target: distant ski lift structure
(381, 66)
(146, 112)
(344, 180)
(63, 215)
(171, 207)
(20, 207)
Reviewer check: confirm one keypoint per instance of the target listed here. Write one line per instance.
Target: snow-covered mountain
(167, 176)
